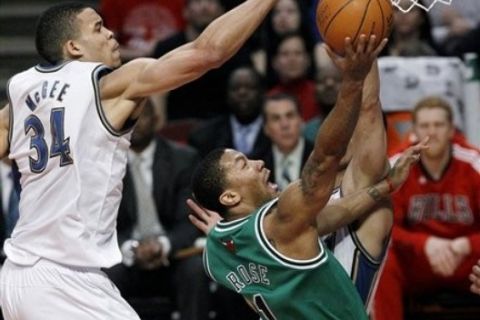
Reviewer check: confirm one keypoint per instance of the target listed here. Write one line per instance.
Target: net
(407, 5)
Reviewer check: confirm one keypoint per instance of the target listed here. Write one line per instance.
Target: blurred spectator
(242, 128)
(436, 239)
(292, 62)
(327, 85)
(288, 16)
(411, 34)
(289, 151)
(9, 199)
(466, 43)
(153, 224)
(140, 24)
(454, 20)
(202, 98)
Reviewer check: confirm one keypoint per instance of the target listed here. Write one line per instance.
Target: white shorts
(48, 290)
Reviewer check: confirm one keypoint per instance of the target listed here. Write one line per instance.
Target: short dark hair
(279, 97)
(56, 26)
(209, 181)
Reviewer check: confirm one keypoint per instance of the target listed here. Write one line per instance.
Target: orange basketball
(338, 19)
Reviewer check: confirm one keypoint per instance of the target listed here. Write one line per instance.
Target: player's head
(74, 31)
(227, 181)
(433, 117)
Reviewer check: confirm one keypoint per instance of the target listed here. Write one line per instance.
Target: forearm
(351, 207)
(369, 142)
(225, 35)
(4, 130)
(474, 243)
(337, 129)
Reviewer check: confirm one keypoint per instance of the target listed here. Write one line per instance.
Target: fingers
(381, 46)
(349, 47)
(362, 43)
(199, 224)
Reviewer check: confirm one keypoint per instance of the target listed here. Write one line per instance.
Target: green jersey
(239, 256)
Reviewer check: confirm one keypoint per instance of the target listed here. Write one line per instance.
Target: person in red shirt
(292, 62)
(140, 24)
(436, 238)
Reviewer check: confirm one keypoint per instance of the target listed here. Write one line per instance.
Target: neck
(436, 166)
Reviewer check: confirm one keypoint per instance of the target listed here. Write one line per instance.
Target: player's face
(283, 124)
(249, 178)
(286, 17)
(96, 43)
(433, 122)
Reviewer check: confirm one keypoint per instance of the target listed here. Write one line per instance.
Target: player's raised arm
(215, 45)
(353, 206)
(369, 142)
(4, 130)
(308, 196)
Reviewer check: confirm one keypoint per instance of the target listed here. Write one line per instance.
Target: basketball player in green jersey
(272, 255)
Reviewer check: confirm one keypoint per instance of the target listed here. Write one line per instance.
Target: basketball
(338, 19)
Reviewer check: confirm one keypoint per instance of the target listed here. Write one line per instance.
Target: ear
(230, 198)
(72, 49)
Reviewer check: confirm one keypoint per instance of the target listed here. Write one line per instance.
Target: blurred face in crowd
(199, 13)
(282, 123)
(291, 61)
(407, 24)
(327, 85)
(246, 180)
(286, 17)
(434, 122)
(244, 94)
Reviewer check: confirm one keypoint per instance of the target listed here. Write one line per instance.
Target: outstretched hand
(400, 171)
(205, 220)
(358, 59)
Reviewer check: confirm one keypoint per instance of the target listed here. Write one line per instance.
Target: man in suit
(153, 225)
(289, 150)
(9, 199)
(242, 129)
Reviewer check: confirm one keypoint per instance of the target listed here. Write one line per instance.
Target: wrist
(390, 185)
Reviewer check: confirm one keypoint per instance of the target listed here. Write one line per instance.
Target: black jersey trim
(223, 226)
(51, 68)
(98, 72)
(289, 262)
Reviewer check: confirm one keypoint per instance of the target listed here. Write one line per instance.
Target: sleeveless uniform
(359, 264)
(239, 256)
(71, 164)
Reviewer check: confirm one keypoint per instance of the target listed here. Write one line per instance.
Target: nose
(259, 164)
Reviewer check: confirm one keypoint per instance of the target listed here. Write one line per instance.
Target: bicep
(170, 71)
(4, 130)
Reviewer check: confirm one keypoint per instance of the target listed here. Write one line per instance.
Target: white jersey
(71, 163)
(362, 268)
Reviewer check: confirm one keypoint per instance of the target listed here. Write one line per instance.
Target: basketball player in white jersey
(361, 246)
(67, 126)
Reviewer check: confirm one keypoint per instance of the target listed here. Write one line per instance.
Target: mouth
(272, 186)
